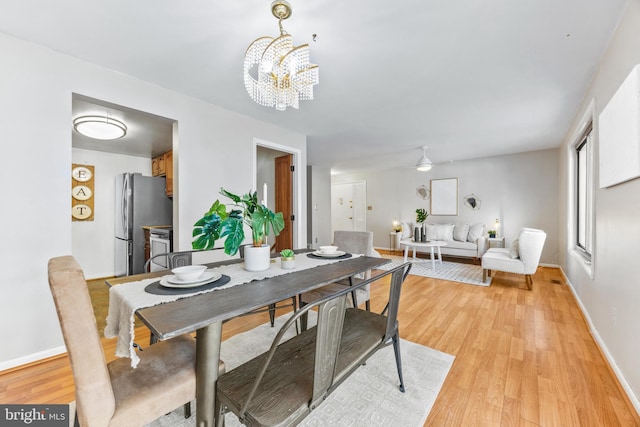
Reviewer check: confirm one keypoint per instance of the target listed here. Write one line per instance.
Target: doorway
(276, 172)
(148, 135)
(349, 206)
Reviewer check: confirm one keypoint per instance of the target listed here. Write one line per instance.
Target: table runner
(126, 298)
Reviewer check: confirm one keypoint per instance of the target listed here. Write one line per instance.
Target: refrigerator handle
(125, 207)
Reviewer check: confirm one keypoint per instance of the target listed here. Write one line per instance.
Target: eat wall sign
(82, 192)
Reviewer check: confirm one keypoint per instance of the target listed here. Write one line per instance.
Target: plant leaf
(233, 230)
(206, 231)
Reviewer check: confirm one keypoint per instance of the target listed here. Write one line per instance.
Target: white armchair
(522, 258)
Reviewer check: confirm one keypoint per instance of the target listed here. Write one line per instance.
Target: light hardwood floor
(523, 358)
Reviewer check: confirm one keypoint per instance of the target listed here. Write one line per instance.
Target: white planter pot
(288, 263)
(257, 258)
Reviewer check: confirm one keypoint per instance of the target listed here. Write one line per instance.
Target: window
(584, 194)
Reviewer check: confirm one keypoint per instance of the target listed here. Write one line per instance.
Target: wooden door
(284, 200)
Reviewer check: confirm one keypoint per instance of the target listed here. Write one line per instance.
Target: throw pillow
(460, 232)
(445, 232)
(475, 232)
(440, 232)
(407, 230)
(431, 232)
(514, 251)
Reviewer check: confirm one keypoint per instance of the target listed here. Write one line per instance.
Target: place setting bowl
(186, 280)
(328, 252)
(189, 276)
(189, 273)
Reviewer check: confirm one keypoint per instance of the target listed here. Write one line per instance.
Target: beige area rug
(369, 397)
(453, 271)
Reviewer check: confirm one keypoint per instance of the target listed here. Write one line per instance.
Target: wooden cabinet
(162, 165)
(158, 166)
(168, 162)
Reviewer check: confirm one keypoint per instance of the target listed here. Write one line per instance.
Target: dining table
(204, 313)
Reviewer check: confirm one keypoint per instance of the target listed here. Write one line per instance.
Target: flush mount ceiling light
(277, 73)
(100, 127)
(424, 164)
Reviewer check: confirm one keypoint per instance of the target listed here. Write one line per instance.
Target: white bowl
(328, 249)
(189, 272)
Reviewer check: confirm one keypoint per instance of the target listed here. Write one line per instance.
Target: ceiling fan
(424, 164)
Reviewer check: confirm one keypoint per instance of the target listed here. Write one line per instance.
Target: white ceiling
(466, 78)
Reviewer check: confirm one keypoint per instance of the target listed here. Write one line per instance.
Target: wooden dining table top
(189, 314)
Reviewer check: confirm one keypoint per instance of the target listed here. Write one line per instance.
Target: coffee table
(409, 243)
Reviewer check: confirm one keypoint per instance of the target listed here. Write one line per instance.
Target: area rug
(369, 397)
(453, 271)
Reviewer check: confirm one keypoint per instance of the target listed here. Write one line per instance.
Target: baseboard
(603, 347)
(30, 358)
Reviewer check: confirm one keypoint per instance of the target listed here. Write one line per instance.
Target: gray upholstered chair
(355, 242)
(522, 258)
(115, 394)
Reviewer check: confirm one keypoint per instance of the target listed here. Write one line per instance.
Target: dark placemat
(156, 289)
(345, 256)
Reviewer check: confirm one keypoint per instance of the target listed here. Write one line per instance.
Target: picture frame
(444, 196)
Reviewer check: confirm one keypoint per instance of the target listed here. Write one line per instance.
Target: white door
(349, 206)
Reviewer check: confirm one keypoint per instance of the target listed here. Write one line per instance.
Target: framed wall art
(444, 196)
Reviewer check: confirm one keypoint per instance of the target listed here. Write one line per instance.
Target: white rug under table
(453, 271)
(369, 397)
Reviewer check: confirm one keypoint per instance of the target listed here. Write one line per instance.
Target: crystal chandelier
(277, 73)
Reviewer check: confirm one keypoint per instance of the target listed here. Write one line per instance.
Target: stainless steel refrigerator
(140, 201)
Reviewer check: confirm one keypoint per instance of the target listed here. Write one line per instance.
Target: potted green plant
(492, 233)
(287, 259)
(421, 215)
(220, 222)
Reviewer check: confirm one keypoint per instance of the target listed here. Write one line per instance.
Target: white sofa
(463, 240)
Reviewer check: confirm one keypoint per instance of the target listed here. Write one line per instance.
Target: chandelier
(277, 73)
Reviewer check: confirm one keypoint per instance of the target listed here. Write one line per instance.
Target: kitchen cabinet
(158, 165)
(168, 164)
(162, 165)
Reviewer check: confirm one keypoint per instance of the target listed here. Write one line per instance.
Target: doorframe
(297, 183)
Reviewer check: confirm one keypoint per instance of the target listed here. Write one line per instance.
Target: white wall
(215, 148)
(93, 243)
(610, 298)
(519, 189)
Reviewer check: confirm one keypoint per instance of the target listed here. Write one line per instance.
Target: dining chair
(114, 393)
(271, 308)
(174, 259)
(355, 242)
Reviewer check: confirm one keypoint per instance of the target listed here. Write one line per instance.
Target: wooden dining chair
(114, 393)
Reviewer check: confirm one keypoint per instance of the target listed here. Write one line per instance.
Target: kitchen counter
(150, 227)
